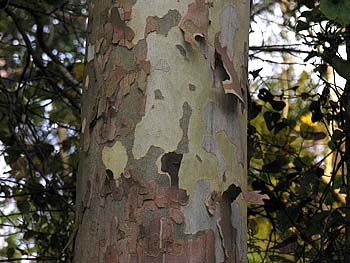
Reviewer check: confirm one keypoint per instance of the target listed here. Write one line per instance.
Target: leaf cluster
(300, 143)
(42, 45)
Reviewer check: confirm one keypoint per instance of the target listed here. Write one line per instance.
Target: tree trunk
(163, 149)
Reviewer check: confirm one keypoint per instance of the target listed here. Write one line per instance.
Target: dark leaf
(265, 95)
(255, 73)
(315, 109)
(301, 25)
(337, 135)
(276, 165)
(310, 56)
(280, 126)
(271, 119)
(254, 110)
(10, 252)
(305, 95)
(24, 207)
(299, 164)
(336, 10)
(277, 105)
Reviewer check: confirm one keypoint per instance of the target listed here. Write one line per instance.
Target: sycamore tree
(163, 129)
(164, 90)
(163, 147)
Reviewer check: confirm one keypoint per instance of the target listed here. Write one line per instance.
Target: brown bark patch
(88, 194)
(176, 215)
(227, 232)
(125, 7)
(111, 255)
(227, 72)
(122, 34)
(212, 201)
(124, 70)
(196, 22)
(162, 244)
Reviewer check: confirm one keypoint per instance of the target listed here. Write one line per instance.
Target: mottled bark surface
(164, 132)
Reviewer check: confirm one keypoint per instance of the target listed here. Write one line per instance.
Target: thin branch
(270, 49)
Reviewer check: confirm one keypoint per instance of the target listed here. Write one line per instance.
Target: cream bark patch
(115, 159)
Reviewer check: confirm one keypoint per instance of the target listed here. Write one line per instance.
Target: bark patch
(115, 159)
(184, 122)
(195, 23)
(228, 74)
(158, 95)
(122, 34)
(228, 232)
(164, 24)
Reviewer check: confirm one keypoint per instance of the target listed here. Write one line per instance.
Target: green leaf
(277, 258)
(308, 180)
(10, 252)
(341, 66)
(24, 207)
(307, 132)
(336, 10)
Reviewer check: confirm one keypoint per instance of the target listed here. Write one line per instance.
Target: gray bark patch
(184, 121)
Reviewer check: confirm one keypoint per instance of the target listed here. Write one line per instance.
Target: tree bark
(163, 149)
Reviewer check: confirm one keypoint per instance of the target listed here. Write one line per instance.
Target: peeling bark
(163, 146)
(196, 22)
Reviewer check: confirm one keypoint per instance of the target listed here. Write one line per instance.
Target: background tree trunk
(163, 150)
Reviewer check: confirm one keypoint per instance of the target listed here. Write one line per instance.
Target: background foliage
(42, 45)
(299, 129)
(298, 133)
